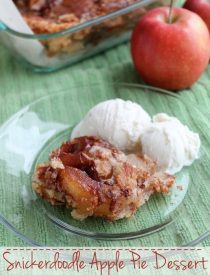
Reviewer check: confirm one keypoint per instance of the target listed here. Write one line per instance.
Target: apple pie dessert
(48, 16)
(93, 178)
(51, 16)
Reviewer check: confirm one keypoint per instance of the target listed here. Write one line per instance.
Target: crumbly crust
(51, 16)
(96, 179)
(48, 16)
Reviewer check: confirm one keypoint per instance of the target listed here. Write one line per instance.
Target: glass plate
(32, 133)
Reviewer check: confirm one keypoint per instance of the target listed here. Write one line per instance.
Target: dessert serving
(117, 158)
(33, 137)
(95, 179)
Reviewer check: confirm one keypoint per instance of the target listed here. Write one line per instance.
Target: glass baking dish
(50, 52)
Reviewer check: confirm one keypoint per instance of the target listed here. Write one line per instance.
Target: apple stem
(170, 11)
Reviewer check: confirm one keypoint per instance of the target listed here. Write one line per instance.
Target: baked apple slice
(93, 178)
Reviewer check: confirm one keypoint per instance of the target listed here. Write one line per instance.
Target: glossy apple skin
(170, 56)
(201, 7)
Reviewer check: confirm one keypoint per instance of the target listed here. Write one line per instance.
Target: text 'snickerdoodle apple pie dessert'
(94, 178)
(117, 158)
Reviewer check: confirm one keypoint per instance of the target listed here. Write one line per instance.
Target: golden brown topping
(47, 16)
(96, 179)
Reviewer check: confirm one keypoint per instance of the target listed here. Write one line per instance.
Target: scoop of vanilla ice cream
(170, 143)
(118, 121)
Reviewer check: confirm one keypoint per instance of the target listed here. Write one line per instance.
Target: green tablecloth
(19, 87)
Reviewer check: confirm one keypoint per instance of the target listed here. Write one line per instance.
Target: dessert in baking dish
(93, 178)
(50, 16)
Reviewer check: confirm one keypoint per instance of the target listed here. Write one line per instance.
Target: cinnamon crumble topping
(95, 179)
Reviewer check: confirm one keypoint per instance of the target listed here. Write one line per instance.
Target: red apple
(201, 7)
(170, 55)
